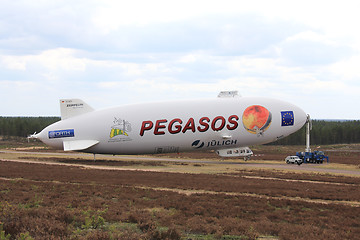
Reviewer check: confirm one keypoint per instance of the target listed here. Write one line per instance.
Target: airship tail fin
(73, 107)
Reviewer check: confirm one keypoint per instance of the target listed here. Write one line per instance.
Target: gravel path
(303, 167)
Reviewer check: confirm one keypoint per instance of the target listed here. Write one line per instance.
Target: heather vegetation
(65, 202)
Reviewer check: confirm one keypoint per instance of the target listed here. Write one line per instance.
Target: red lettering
(204, 124)
(190, 125)
(233, 122)
(146, 125)
(222, 125)
(177, 127)
(158, 126)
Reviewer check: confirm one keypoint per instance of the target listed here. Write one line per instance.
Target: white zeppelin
(227, 124)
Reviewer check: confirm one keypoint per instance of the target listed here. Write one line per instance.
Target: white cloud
(123, 52)
(112, 15)
(310, 36)
(347, 69)
(14, 62)
(53, 59)
(189, 58)
(25, 85)
(60, 59)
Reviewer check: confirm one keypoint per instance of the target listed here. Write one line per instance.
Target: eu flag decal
(287, 118)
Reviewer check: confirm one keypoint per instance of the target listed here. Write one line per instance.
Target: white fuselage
(178, 126)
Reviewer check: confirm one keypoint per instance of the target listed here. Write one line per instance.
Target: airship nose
(42, 135)
(301, 117)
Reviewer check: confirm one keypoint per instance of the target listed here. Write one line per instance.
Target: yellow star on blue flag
(287, 118)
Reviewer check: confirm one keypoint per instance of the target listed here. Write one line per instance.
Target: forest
(24, 126)
(323, 131)
(326, 132)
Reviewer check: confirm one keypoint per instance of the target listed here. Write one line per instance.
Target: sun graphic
(256, 119)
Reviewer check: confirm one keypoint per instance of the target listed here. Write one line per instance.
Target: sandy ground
(275, 165)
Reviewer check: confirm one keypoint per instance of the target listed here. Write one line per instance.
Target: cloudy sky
(110, 53)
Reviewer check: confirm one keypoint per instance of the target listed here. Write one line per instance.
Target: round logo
(256, 119)
(197, 144)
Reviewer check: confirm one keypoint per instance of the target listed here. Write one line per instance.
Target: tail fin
(73, 107)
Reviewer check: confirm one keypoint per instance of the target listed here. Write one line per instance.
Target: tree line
(23, 126)
(323, 132)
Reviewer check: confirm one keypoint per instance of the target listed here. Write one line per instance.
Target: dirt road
(323, 168)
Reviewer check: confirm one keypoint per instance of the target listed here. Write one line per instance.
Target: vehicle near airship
(227, 124)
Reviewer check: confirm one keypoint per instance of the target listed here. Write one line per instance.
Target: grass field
(48, 195)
